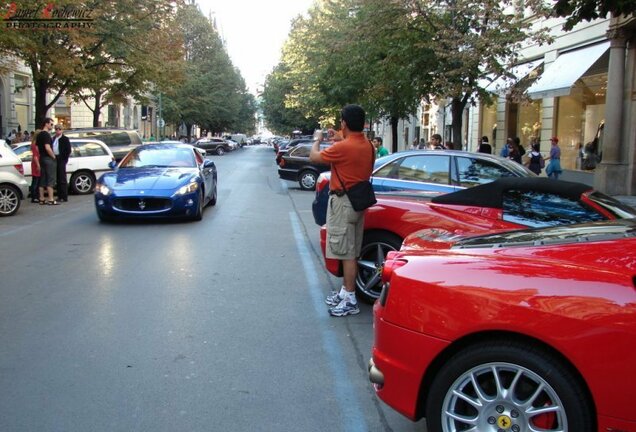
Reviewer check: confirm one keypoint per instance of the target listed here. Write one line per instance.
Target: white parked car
(13, 186)
(89, 159)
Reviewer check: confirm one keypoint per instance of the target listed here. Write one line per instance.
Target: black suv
(296, 166)
(214, 145)
(120, 141)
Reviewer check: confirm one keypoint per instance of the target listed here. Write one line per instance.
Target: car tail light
(321, 183)
(281, 163)
(20, 168)
(392, 263)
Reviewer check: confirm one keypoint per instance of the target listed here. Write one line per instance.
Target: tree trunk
(41, 89)
(457, 110)
(97, 109)
(394, 134)
(188, 130)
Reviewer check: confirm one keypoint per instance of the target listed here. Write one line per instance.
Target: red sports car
(502, 205)
(531, 330)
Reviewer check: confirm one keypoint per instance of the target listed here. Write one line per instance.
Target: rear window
(542, 209)
(88, 149)
(110, 138)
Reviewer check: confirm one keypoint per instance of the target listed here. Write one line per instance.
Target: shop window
(488, 126)
(580, 119)
(529, 116)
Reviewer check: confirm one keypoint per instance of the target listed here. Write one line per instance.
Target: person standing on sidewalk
(351, 162)
(62, 150)
(380, 150)
(48, 166)
(35, 169)
(553, 170)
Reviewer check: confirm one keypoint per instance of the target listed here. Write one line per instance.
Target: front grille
(142, 204)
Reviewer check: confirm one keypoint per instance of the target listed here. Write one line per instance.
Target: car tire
(9, 200)
(220, 151)
(82, 182)
(375, 246)
(496, 366)
(307, 180)
(198, 215)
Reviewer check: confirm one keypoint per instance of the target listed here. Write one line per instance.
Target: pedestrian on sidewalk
(35, 168)
(380, 150)
(48, 166)
(553, 170)
(62, 150)
(351, 162)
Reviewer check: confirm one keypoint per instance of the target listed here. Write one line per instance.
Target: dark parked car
(218, 146)
(120, 141)
(435, 171)
(296, 166)
(286, 147)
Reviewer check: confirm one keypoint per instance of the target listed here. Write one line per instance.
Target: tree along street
(163, 326)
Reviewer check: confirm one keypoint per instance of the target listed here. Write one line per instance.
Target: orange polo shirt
(352, 158)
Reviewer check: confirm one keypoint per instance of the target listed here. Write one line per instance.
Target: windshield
(159, 157)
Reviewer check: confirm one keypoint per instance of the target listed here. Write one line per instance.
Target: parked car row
(436, 171)
(498, 289)
(502, 205)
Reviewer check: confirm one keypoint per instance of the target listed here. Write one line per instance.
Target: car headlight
(102, 189)
(189, 188)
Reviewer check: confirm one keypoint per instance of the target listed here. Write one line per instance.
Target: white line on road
(345, 394)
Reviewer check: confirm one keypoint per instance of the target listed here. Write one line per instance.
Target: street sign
(161, 122)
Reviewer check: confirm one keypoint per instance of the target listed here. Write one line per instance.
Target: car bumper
(286, 174)
(399, 361)
(154, 206)
(319, 206)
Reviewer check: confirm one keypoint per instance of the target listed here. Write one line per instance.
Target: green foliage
(587, 10)
(117, 55)
(213, 94)
(389, 55)
(279, 118)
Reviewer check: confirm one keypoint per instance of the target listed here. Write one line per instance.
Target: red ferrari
(502, 205)
(531, 330)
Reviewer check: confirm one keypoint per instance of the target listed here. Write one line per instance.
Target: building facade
(581, 89)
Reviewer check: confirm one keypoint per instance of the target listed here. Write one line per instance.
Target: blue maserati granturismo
(158, 180)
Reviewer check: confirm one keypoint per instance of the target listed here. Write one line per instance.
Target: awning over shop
(558, 79)
(503, 84)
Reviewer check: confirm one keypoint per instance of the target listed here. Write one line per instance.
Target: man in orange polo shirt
(351, 162)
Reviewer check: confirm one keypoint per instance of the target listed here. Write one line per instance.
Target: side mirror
(112, 164)
(208, 163)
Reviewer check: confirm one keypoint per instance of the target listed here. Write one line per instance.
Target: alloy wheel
(502, 396)
(9, 201)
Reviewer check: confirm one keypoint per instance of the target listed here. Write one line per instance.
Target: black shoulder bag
(360, 194)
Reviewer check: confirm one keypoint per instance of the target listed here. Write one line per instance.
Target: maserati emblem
(142, 204)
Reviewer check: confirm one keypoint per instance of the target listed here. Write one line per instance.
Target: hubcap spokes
(8, 201)
(370, 268)
(502, 396)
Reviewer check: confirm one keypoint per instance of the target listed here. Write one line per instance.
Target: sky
(254, 32)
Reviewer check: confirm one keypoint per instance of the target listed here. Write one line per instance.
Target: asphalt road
(216, 325)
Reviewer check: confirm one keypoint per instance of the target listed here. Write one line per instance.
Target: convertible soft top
(491, 194)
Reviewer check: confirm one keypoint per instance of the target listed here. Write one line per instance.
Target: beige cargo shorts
(345, 228)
